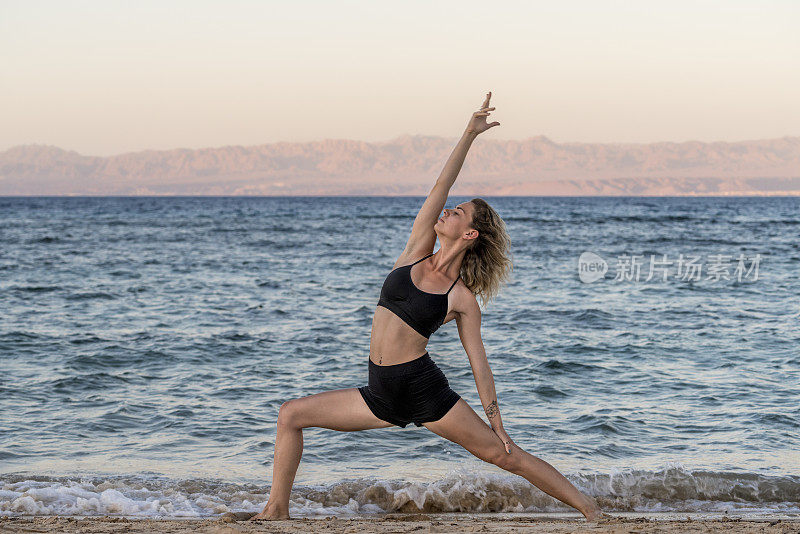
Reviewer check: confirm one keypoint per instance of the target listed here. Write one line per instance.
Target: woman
(405, 387)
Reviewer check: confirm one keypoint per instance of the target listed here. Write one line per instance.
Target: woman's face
(455, 222)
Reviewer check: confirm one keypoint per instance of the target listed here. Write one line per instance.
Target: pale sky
(107, 77)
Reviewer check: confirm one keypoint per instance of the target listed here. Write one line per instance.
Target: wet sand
(227, 524)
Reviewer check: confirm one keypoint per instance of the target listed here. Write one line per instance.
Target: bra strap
(419, 260)
(454, 284)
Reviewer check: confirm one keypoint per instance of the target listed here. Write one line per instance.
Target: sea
(646, 347)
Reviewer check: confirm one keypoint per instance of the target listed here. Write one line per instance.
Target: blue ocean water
(146, 344)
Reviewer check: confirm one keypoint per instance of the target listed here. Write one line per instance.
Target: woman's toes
(269, 516)
(601, 517)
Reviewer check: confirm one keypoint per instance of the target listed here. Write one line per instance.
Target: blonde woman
(422, 292)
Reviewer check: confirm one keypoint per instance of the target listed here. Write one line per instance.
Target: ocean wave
(672, 489)
(89, 295)
(35, 289)
(559, 366)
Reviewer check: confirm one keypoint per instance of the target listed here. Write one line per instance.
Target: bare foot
(598, 516)
(270, 515)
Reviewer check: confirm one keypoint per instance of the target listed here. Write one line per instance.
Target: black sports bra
(424, 312)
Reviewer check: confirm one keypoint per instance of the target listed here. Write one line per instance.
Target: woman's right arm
(423, 236)
(477, 125)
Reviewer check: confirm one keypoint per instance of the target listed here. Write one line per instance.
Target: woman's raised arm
(423, 236)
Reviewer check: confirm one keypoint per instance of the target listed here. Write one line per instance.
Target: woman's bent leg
(341, 409)
(463, 426)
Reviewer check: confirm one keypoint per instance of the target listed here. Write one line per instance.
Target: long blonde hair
(487, 263)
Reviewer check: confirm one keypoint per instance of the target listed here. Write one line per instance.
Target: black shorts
(415, 391)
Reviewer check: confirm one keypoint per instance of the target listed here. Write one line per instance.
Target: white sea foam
(673, 489)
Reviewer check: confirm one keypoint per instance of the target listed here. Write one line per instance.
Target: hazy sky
(107, 77)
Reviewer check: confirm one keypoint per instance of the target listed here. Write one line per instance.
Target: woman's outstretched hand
(507, 443)
(477, 124)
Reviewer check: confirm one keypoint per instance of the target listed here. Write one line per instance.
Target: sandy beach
(227, 524)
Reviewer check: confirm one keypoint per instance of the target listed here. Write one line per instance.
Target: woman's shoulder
(464, 300)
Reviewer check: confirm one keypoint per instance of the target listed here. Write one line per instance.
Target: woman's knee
(502, 459)
(289, 414)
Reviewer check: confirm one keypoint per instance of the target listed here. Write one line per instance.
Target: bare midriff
(392, 341)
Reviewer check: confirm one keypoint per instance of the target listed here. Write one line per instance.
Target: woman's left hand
(477, 124)
(501, 433)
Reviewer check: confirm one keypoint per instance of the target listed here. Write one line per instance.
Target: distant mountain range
(409, 165)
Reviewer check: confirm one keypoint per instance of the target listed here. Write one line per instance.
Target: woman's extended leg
(341, 409)
(463, 426)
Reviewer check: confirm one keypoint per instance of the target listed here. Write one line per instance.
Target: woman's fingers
(504, 437)
(481, 126)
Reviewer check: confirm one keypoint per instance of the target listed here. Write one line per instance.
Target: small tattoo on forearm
(492, 410)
